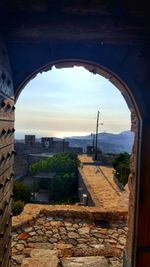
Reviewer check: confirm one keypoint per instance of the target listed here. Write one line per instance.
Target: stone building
(29, 141)
(47, 142)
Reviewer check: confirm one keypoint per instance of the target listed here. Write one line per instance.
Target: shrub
(17, 207)
(21, 192)
(121, 167)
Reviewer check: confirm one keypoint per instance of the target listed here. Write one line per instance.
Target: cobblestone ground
(71, 237)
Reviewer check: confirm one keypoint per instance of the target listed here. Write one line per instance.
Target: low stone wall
(72, 230)
(32, 212)
(83, 190)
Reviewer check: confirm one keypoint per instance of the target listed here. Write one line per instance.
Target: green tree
(65, 167)
(59, 163)
(121, 167)
(64, 186)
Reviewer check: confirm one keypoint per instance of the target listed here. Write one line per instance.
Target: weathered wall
(132, 183)
(6, 154)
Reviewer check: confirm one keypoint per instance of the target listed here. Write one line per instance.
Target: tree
(59, 163)
(65, 169)
(64, 186)
(121, 167)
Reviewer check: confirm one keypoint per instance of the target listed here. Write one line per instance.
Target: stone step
(40, 253)
(93, 261)
(41, 258)
(37, 262)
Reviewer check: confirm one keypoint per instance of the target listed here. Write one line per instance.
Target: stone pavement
(100, 184)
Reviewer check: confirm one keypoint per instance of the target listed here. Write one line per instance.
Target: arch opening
(135, 122)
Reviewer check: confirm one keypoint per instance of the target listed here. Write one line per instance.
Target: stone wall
(72, 230)
(132, 183)
(21, 164)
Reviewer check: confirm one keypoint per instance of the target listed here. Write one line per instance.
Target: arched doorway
(135, 122)
(114, 35)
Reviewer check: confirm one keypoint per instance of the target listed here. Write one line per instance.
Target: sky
(65, 102)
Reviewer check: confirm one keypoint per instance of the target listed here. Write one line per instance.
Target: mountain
(108, 142)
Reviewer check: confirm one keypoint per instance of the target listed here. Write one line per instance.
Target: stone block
(18, 258)
(84, 262)
(62, 246)
(40, 253)
(22, 236)
(84, 230)
(43, 245)
(40, 262)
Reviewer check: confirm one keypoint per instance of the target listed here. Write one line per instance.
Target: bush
(121, 166)
(71, 200)
(21, 192)
(17, 207)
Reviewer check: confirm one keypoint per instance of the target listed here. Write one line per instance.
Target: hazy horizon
(21, 136)
(64, 102)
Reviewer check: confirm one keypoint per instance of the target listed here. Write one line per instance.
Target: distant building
(60, 146)
(47, 142)
(55, 146)
(33, 150)
(29, 140)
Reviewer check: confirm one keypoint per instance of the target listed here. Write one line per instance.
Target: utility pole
(96, 137)
(63, 145)
(93, 142)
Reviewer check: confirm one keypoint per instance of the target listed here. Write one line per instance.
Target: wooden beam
(87, 28)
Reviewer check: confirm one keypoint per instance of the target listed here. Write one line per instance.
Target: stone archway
(135, 127)
(114, 34)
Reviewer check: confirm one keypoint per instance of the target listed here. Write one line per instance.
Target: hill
(108, 142)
